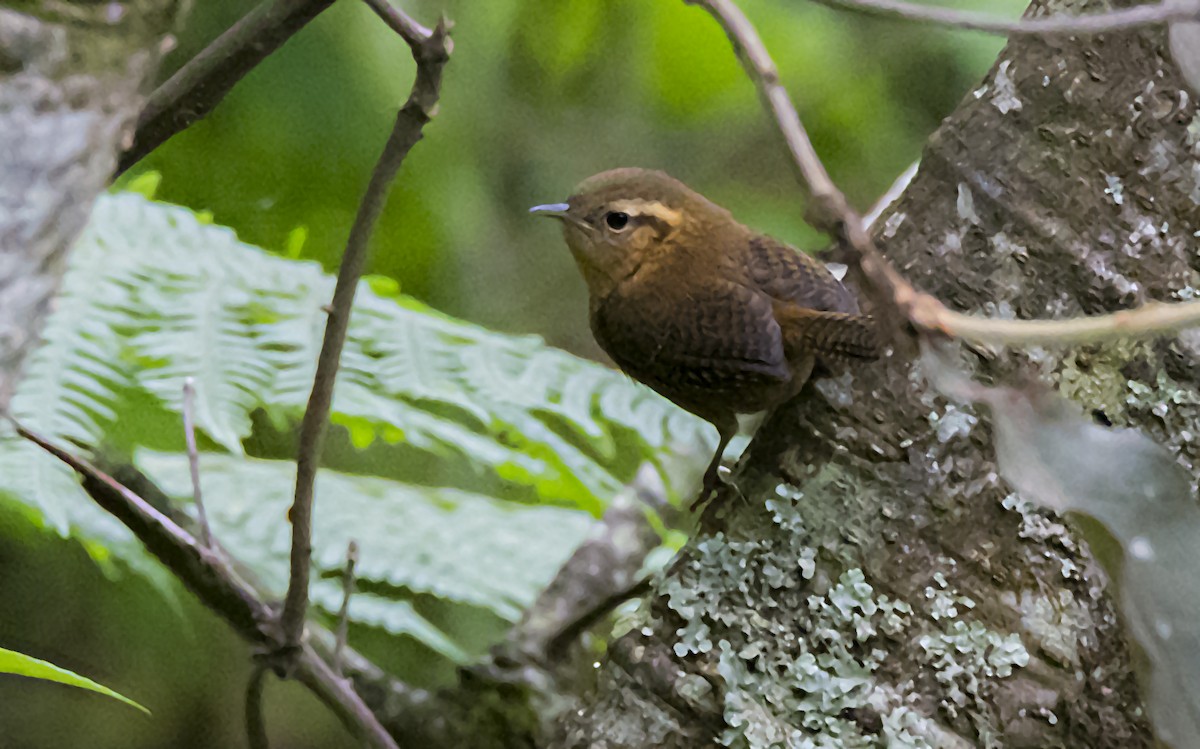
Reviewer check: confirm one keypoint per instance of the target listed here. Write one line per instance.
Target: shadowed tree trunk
(882, 586)
(72, 75)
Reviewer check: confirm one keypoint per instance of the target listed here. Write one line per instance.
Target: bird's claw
(713, 486)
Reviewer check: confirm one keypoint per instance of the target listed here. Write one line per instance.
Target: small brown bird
(716, 317)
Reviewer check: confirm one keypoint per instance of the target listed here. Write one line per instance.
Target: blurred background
(539, 94)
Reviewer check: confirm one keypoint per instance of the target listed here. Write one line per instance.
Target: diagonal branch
(189, 438)
(830, 210)
(893, 297)
(256, 727)
(413, 33)
(215, 582)
(1151, 14)
(200, 85)
(343, 617)
(600, 575)
(431, 51)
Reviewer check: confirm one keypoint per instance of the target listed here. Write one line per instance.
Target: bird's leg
(727, 429)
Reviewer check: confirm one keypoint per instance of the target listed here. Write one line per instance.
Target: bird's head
(617, 220)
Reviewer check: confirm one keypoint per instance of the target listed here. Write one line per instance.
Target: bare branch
(200, 85)
(256, 727)
(189, 436)
(215, 582)
(1116, 20)
(557, 647)
(199, 568)
(891, 295)
(888, 290)
(313, 672)
(1149, 320)
(343, 620)
(761, 68)
(898, 186)
(600, 575)
(408, 29)
(431, 53)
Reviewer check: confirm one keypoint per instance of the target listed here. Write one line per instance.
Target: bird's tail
(836, 335)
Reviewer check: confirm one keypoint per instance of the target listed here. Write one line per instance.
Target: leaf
(454, 545)
(1054, 455)
(470, 420)
(23, 665)
(1184, 40)
(154, 295)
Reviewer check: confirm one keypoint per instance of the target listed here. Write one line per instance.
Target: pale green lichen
(806, 650)
(1036, 525)
(943, 604)
(791, 678)
(1095, 376)
(1054, 625)
(966, 653)
(905, 728)
(782, 689)
(955, 423)
(811, 688)
(1005, 98)
(966, 205)
(1175, 405)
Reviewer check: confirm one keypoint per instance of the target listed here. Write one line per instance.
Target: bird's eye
(616, 220)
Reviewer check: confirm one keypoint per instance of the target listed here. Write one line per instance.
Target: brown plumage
(718, 318)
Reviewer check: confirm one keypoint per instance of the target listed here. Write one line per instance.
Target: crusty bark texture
(72, 75)
(882, 586)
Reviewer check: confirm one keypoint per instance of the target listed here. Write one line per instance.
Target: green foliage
(23, 665)
(457, 546)
(467, 418)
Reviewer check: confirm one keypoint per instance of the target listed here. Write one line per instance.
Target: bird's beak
(556, 210)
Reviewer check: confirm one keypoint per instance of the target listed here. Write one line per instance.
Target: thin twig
(1115, 20)
(597, 577)
(343, 620)
(200, 85)
(891, 295)
(761, 68)
(833, 256)
(256, 726)
(894, 298)
(431, 53)
(1147, 321)
(407, 28)
(215, 582)
(189, 436)
(571, 630)
(898, 186)
(200, 569)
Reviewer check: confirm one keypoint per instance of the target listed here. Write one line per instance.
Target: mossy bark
(882, 586)
(72, 75)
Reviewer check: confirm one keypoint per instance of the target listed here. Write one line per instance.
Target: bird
(718, 318)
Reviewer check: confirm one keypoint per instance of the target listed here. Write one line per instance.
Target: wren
(718, 318)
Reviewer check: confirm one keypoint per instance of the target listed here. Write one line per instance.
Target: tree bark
(882, 586)
(71, 81)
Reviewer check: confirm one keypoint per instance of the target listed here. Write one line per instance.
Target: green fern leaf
(453, 545)
(465, 417)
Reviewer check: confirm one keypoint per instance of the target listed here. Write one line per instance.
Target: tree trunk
(882, 586)
(71, 82)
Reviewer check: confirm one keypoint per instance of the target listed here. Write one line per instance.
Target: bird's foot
(714, 485)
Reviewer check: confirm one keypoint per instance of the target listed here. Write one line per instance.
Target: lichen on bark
(882, 586)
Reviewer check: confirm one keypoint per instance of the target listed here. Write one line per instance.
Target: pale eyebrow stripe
(649, 208)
